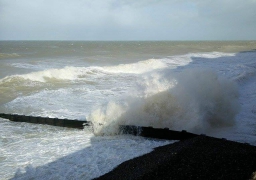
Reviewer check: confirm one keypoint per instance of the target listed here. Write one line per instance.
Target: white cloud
(128, 20)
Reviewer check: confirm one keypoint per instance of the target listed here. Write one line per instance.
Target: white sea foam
(137, 68)
(67, 73)
(212, 55)
(182, 60)
(80, 73)
(45, 152)
(26, 66)
(154, 92)
(62, 103)
(199, 101)
(8, 55)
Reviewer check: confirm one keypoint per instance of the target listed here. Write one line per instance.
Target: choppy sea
(202, 87)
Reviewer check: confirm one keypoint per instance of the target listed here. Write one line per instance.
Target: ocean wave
(26, 66)
(199, 101)
(246, 72)
(8, 55)
(212, 55)
(76, 73)
(81, 73)
(182, 60)
(137, 68)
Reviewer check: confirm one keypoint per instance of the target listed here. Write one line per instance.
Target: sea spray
(73, 79)
(197, 100)
(106, 120)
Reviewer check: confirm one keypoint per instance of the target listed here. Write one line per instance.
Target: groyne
(149, 132)
(157, 133)
(71, 123)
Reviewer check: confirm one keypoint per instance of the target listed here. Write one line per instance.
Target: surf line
(149, 132)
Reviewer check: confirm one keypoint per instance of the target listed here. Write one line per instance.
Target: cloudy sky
(127, 19)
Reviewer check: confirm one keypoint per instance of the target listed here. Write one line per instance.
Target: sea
(204, 87)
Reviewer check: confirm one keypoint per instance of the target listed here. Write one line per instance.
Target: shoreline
(201, 157)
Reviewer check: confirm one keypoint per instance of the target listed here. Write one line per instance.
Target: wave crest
(80, 73)
(200, 101)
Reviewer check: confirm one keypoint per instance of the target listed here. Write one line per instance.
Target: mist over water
(201, 87)
(197, 100)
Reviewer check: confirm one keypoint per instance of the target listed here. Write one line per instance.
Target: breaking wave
(81, 73)
(10, 55)
(197, 100)
(137, 68)
(77, 73)
(212, 55)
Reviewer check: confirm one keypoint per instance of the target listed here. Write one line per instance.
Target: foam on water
(137, 68)
(204, 98)
(26, 66)
(76, 73)
(8, 55)
(199, 101)
(182, 60)
(212, 92)
(46, 152)
(212, 55)
(64, 102)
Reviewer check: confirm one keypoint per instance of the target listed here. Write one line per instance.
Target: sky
(127, 20)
